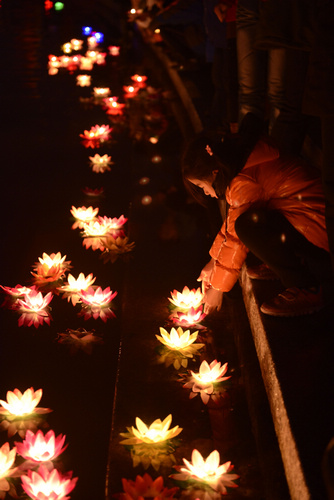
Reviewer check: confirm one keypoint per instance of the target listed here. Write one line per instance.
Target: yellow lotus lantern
(67, 48)
(157, 432)
(74, 286)
(207, 472)
(21, 405)
(206, 380)
(86, 63)
(83, 215)
(84, 80)
(179, 346)
(100, 163)
(76, 44)
(186, 299)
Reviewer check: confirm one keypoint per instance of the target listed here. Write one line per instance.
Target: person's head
(203, 171)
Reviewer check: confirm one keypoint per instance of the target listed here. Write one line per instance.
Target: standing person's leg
(252, 64)
(301, 266)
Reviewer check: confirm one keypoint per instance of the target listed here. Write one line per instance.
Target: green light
(59, 6)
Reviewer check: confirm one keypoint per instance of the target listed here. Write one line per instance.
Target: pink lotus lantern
(7, 459)
(130, 91)
(75, 285)
(50, 268)
(83, 215)
(97, 303)
(18, 291)
(207, 472)
(145, 487)
(139, 81)
(34, 309)
(84, 80)
(22, 405)
(39, 447)
(96, 135)
(112, 223)
(100, 164)
(114, 50)
(48, 484)
(188, 319)
(206, 380)
(186, 299)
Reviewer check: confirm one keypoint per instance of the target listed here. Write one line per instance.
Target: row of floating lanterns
(148, 444)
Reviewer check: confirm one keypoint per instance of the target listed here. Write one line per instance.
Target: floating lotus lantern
(83, 215)
(96, 135)
(86, 63)
(206, 381)
(18, 291)
(113, 107)
(67, 48)
(79, 339)
(34, 309)
(101, 92)
(188, 319)
(51, 484)
(76, 44)
(179, 346)
(92, 42)
(94, 193)
(96, 303)
(92, 55)
(86, 30)
(157, 432)
(139, 81)
(187, 299)
(50, 268)
(112, 223)
(84, 80)
(145, 487)
(39, 447)
(151, 445)
(75, 285)
(114, 50)
(100, 164)
(94, 229)
(22, 405)
(7, 459)
(99, 37)
(114, 247)
(100, 58)
(130, 91)
(207, 472)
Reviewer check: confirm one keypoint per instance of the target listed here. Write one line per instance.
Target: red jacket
(284, 184)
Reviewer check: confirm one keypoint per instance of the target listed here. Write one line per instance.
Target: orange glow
(50, 268)
(130, 91)
(19, 404)
(40, 448)
(139, 80)
(207, 471)
(114, 50)
(46, 483)
(186, 299)
(157, 432)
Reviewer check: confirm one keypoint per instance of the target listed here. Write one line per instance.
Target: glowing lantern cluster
(100, 164)
(206, 380)
(51, 484)
(179, 346)
(207, 472)
(39, 447)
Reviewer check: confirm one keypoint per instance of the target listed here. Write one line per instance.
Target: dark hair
(201, 157)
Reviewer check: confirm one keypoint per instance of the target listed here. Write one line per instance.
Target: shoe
(295, 302)
(261, 272)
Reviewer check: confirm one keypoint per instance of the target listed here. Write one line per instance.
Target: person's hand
(205, 275)
(220, 11)
(212, 300)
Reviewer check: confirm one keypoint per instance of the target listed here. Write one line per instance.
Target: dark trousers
(271, 237)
